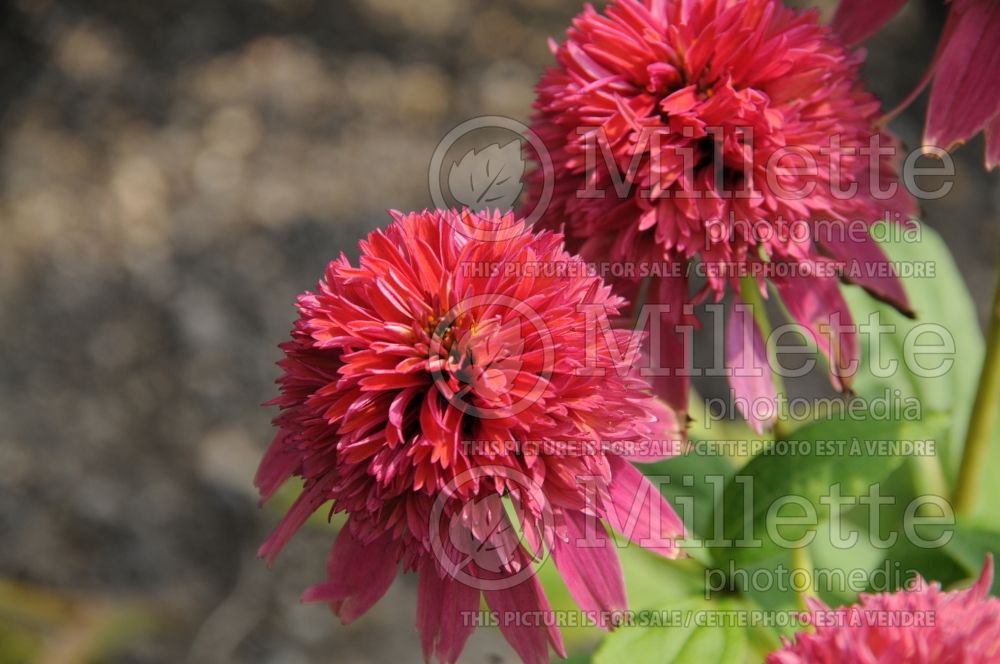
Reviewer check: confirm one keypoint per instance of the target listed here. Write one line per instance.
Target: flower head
(921, 625)
(734, 133)
(445, 394)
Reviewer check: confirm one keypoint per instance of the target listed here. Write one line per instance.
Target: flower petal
(358, 575)
(817, 304)
(993, 143)
(981, 588)
(279, 463)
(664, 436)
(670, 342)
(638, 511)
(866, 265)
(516, 609)
(590, 568)
(430, 595)
(856, 20)
(445, 608)
(751, 379)
(313, 495)
(965, 95)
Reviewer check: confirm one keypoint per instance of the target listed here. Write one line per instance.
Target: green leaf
(968, 547)
(941, 302)
(847, 452)
(958, 561)
(578, 658)
(841, 572)
(673, 634)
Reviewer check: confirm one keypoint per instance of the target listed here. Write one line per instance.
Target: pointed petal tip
(985, 581)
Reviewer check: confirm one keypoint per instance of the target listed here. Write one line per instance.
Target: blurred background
(171, 175)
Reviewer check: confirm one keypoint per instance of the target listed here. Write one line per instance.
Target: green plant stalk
(751, 297)
(928, 476)
(801, 560)
(983, 418)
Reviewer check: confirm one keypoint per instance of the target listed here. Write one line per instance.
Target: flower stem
(928, 476)
(802, 561)
(983, 417)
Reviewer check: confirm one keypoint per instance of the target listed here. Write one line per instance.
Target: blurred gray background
(172, 173)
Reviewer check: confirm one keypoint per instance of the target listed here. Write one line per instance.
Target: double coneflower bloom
(734, 139)
(446, 395)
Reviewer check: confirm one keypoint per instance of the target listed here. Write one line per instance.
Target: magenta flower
(965, 93)
(721, 136)
(922, 625)
(444, 394)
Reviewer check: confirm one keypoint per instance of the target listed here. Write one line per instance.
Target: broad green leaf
(958, 561)
(842, 567)
(968, 547)
(851, 453)
(942, 304)
(680, 633)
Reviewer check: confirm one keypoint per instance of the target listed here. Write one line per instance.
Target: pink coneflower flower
(965, 93)
(444, 394)
(921, 625)
(721, 135)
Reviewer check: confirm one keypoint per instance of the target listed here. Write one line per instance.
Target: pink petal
(520, 611)
(817, 304)
(866, 265)
(358, 575)
(279, 463)
(591, 569)
(751, 377)
(901, 206)
(680, 101)
(312, 496)
(445, 612)
(981, 588)
(430, 595)
(639, 512)
(667, 433)
(459, 600)
(856, 20)
(673, 344)
(965, 95)
(993, 143)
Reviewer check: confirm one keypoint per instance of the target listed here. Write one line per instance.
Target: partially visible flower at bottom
(453, 402)
(921, 625)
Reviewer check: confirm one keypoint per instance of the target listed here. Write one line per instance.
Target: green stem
(928, 476)
(750, 294)
(802, 561)
(983, 417)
